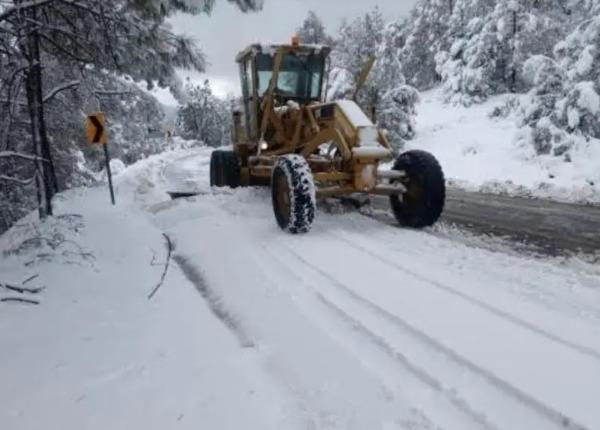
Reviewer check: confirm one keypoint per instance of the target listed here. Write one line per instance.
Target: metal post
(110, 184)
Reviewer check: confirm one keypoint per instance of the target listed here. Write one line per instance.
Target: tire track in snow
(214, 302)
(552, 415)
(473, 300)
(461, 406)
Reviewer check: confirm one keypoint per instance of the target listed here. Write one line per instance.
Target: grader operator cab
(285, 135)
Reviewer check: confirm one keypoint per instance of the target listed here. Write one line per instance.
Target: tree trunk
(44, 168)
(513, 71)
(39, 165)
(49, 172)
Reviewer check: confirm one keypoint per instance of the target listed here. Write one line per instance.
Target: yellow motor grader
(285, 135)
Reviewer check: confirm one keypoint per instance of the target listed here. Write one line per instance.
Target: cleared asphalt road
(555, 228)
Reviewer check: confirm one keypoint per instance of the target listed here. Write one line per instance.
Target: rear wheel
(293, 194)
(423, 202)
(224, 169)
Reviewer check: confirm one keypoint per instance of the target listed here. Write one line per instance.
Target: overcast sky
(227, 30)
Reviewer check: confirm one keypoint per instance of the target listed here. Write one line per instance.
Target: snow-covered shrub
(547, 138)
(545, 79)
(397, 114)
(579, 110)
(117, 166)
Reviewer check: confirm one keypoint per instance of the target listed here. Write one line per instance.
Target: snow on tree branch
(8, 154)
(23, 182)
(53, 93)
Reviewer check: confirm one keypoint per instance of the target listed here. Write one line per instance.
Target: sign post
(95, 130)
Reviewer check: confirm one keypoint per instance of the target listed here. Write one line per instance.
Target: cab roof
(258, 48)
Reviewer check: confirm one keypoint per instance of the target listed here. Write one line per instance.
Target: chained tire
(224, 169)
(423, 203)
(293, 194)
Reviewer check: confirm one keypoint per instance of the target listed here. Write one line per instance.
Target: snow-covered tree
(385, 93)
(564, 101)
(356, 42)
(313, 31)
(424, 37)
(397, 112)
(488, 50)
(50, 50)
(205, 117)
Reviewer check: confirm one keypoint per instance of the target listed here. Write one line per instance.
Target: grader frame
(284, 113)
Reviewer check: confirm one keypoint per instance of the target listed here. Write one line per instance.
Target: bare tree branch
(8, 154)
(17, 180)
(22, 6)
(58, 89)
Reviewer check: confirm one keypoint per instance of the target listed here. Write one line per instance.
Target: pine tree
(489, 49)
(355, 44)
(424, 37)
(385, 95)
(313, 31)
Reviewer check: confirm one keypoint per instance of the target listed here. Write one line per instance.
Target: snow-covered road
(356, 325)
(367, 324)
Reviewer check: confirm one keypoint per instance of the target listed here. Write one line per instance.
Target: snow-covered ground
(356, 325)
(482, 153)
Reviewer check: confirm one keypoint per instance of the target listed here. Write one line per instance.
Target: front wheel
(423, 202)
(293, 194)
(224, 169)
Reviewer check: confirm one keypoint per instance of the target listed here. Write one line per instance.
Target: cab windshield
(300, 75)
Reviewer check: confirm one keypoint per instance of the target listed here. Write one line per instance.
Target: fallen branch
(31, 278)
(19, 300)
(167, 262)
(22, 290)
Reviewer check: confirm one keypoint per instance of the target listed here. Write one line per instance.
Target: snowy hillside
(482, 152)
(348, 327)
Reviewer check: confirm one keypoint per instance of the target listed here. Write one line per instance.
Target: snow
(372, 151)
(532, 68)
(586, 61)
(164, 95)
(573, 117)
(96, 353)
(481, 153)
(368, 136)
(117, 166)
(354, 113)
(356, 325)
(588, 97)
